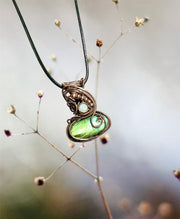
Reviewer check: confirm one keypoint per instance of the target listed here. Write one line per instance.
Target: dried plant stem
(106, 206)
(96, 155)
(63, 163)
(120, 17)
(24, 133)
(67, 158)
(76, 151)
(37, 125)
(57, 149)
(54, 171)
(76, 42)
(114, 42)
(97, 73)
(104, 200)
(23, 121)
(52, 145)
(82, 168)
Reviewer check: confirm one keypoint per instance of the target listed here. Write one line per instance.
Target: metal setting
(75, 94)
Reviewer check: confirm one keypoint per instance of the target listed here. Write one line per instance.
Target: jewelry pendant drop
(87, 124)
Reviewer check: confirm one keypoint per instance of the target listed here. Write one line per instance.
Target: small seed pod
(177, 173)
(71, 144)
(140, 21)
(7, 133)
(39, 181)
(89, 59)
(99, 43)
(40, 93)
(49, 70)
(57, 22)
(115, 1)
(53, 57)
(11, 109)
(104, 139)
(125, 204)
(144, 208)
(165, 209)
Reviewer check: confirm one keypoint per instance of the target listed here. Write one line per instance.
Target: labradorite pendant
(87, 124)
(82, 130)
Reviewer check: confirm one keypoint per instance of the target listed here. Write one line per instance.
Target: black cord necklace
(87, 124)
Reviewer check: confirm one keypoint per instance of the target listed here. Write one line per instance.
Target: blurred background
(139, 88)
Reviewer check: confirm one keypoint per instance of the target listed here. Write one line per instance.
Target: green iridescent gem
(83, 129)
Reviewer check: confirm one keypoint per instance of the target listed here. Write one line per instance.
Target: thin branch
(97, 73)
(24, 133)
(120, 17)
(23, 121)
(97, 161)
(37, 125)
(104, 200)
(76, 151)
(114, 42)
(52, 145)
(68, 158)
(58, 150)
(55, 170)
(82, 168)
(96, 146)
(76, 42)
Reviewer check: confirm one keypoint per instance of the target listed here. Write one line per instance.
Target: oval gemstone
(83, 129)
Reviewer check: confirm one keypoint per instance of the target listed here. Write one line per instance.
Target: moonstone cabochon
(82, 130)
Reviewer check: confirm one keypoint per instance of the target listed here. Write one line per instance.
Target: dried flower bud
(125, 205)
(7, 133)
(40, 93)
(11, 109)
(165, 209)
(53, 57)
(177, 173)
(57, 22)
(140, 21)
(71, 144)
(99, 43)
(89, 59)
(100, 179)
(49, 70)
(39, 181)
(104, 139)
(115, 1)
(144, 208)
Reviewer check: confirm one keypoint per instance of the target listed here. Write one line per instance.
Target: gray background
(138, 88)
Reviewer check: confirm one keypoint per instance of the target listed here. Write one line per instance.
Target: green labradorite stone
(83, 129)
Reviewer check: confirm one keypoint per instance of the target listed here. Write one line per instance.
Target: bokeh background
(139, 88)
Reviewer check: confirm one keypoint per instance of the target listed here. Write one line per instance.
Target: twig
(76, 151)
(57, 149)
(96, 147)
(68, 158)
(23, 121)
(24, 133)
(37, 125)
(97, 73)
(97, 161)
(120, 17)
(82, 168)
(114, 42)
(104, 200)
(54, 171)
(76, 42)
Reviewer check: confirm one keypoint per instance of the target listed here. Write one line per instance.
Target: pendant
(87, 124)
